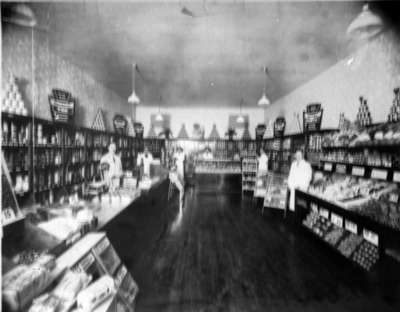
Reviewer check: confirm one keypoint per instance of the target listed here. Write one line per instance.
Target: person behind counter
(114, 172)
(300, 175)
(144, 159)
(262, 163)
(207, 155)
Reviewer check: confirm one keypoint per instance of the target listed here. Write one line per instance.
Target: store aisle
(226, 257)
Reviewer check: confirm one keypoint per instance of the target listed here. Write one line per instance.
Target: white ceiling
(212, 59)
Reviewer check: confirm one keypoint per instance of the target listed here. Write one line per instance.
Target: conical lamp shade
(264, 101)
(366, 25)
(240, 119)
(159, 117)
(133, 98)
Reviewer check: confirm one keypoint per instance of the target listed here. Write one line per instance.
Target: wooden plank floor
(226, 257)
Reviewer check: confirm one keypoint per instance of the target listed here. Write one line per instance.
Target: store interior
(200, 156)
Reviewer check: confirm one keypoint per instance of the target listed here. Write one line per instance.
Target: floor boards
(226, 257)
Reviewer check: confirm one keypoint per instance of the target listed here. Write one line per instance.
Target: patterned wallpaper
(36, 77)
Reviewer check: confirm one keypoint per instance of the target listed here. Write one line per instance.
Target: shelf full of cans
(221, 149)
(44, 158)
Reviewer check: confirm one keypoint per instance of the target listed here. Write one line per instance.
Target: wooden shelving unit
(249, 174)
(56, 158)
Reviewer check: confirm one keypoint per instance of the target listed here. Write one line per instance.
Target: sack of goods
(96, 293)
(23, 283)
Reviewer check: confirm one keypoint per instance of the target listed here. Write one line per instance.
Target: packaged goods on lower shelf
(348, 191)
(96, 293)
(70, 285)
(348, 245)
(384, 210)
(22, 284)
(366, 255)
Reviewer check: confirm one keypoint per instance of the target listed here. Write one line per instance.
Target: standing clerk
(145, 159)
(114, 172)
(299, 176)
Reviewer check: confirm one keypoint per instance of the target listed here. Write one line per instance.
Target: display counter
(54, 230)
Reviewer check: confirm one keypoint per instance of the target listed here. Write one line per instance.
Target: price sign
(86, 262)
(350, 226)
(358, 171)
(337, 220)
(314, 207)
(370, 236)
(120, 275)
(328, 166)
(324, 213)
(396, 176)
(101, 246)
(394, 198)
(301, 203)
(341, 169)
(8, 215)
(379, 174)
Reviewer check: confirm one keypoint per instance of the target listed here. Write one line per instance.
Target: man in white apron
(262, 163)
(113, 174)
(180, 163)
(299, 176)
(145, 159)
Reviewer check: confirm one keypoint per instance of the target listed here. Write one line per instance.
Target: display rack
(369, 229)
(218, 166)
(49, 159)
(249, 174)
(17, 151)
(94, 255)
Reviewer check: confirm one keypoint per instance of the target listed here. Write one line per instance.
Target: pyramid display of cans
(363, 115)
(12, 100)
(98, 123)
(394, 115)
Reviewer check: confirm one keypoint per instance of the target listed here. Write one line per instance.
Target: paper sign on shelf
(371, 237)
(358, 171)
(328, 166)
(396, 176)
(337, 220)
(324, 213)
(340, 168)
(394, 198)
(314, 207)
(86, 262)
(379, 174)
(350, 226)
(101, 246)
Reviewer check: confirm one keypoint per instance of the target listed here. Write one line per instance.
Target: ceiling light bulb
(240, 119)
(264, 101)
(366, 25)
(133, 98)
(159, 117)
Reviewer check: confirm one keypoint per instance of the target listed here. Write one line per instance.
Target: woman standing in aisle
(299, 176)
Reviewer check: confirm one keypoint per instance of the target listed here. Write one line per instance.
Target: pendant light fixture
(19, 14)
(240, 118)
(264, 101)
(366, 25)
(133, 98)
(159, 116)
